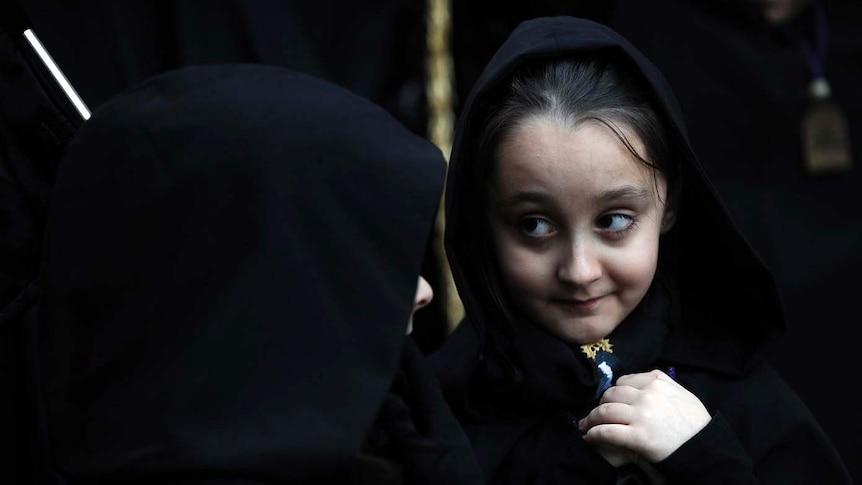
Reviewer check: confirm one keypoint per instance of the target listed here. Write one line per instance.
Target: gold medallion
(825, 135)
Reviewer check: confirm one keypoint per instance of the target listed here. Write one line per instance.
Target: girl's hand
(648, 413)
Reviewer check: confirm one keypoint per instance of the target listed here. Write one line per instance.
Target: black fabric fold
(687, 464)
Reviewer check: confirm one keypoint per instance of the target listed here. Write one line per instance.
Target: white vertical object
(57, 73)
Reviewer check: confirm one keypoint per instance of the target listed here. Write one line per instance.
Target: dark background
(741, 83)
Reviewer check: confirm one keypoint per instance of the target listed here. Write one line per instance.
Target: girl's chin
(584, 334)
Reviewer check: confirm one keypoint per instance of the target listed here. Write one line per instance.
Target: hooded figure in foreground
(617, 323)
(230, 263)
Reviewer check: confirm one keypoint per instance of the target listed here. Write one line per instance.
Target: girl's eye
(536, 227)
(616, 223)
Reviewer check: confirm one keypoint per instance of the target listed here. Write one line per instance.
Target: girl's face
(576, 220)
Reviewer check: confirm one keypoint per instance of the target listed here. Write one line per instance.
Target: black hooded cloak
(230, 264)
(711, 331)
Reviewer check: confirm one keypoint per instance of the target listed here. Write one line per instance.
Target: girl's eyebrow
(525, 196)
(625, 192)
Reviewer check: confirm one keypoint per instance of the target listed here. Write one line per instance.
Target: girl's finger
(610, 434)
(620, 394)
(641, 380)
(608, 413)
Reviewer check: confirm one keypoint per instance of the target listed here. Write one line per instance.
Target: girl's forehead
(590, 157)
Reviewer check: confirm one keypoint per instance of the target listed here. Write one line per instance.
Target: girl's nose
(424, 294)
(580, 265)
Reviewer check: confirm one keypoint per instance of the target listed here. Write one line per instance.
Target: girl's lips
(587, 304)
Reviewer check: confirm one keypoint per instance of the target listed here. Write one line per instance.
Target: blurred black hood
(230, 265)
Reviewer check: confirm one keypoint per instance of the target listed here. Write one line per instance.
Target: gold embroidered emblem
(593, 348)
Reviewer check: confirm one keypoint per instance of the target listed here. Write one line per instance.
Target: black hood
(731, 312)
(230, 265)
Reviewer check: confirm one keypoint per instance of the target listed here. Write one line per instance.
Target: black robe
(229, 267)
(742, 85)
(712, 330)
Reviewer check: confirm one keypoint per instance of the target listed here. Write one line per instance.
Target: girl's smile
(583, 306)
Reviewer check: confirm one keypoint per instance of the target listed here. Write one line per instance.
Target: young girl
(230, 267)
(617, 323)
